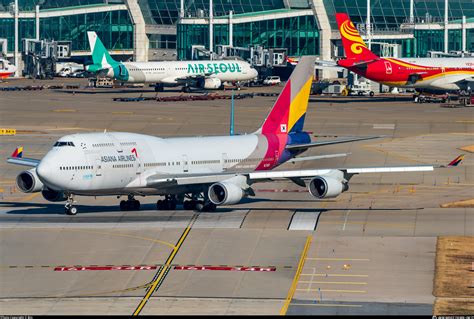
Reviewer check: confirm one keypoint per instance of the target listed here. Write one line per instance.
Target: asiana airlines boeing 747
(196, 172)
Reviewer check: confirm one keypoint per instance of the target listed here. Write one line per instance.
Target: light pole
(367, 25)
(15, 13)
(211, 28)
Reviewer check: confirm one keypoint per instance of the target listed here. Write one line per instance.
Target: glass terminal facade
(388, 15)
(298, 34)
(166, 12)
(115, 28)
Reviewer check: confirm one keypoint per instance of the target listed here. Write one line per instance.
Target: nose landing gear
(68, 207)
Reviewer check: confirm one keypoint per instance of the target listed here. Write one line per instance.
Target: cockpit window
(61, 143)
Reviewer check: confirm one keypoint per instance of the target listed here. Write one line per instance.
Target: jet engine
(28, 181)
(326, 187)
(225, 193)
(211, 83)
(53, 196)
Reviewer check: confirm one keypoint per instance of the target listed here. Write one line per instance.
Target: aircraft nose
(43, 170)
(254, 73)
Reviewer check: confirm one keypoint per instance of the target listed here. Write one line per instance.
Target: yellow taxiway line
(292, 290)
(164, 269)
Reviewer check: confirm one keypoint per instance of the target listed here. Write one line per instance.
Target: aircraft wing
(265, 176)
(23, 161)
(185, 79)
(18, 159)
(324, 65)
(330, 142)
(296, 176)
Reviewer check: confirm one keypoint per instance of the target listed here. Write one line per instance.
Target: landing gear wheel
(210, 207)
(71, 210)
(371, 93)
(189, 205)
(199, 206)
(167, 204)
(135, 205)
(131, 204)
(68, 207)
(202, 206)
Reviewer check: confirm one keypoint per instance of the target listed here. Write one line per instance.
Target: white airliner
(206, 74)
(198, 172)
(6, 69)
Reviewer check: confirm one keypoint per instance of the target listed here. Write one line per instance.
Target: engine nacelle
(211, 83)
(326, 187)
(53, 196)
(225, 193)
(28, 181)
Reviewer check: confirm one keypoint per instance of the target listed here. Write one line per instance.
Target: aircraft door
(98, 167)
(277, 157)
(224, 161)
(185, 163)
(116, 142)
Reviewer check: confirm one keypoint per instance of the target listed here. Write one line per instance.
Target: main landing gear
(130, 204)
(159, 87)
(193, 202)
(199, 205)
(69, 208)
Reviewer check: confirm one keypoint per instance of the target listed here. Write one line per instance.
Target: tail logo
(349, 32)
(18, 152)
(457, 160)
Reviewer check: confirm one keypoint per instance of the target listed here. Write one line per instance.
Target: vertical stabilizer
(354, 47)
(289, 110)
(100, 56)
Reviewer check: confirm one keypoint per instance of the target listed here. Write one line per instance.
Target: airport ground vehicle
(272, 80)
(68, 71)
(430, 98)
(361, 88)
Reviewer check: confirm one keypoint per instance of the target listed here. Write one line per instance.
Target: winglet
(18, 153)
(456, 161)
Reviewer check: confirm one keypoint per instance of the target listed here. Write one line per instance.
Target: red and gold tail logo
(354, 46)
(349, 32)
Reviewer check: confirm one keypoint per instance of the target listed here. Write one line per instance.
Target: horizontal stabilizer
(317, 157)
(330, 142)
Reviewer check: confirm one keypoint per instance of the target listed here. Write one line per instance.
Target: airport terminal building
(168, 29)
